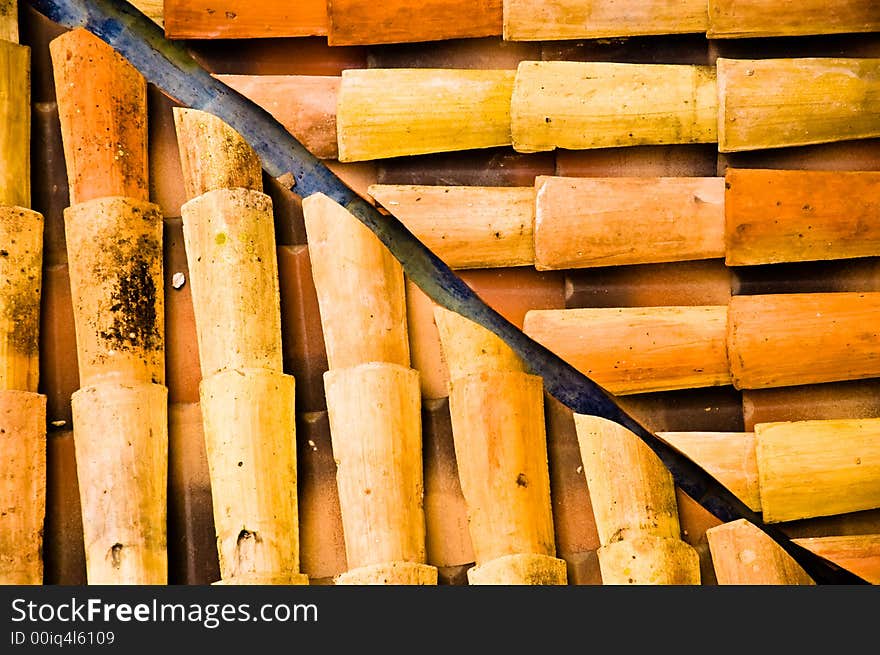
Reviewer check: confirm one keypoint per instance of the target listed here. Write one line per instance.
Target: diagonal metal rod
(170, 67)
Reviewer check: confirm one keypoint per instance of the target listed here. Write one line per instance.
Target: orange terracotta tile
(36, 31)
(864, 522)
(583, 568)
(739, 19)
(577, 538)
(489, 167)
(779, 340)
(681, 160)
(357, 176)
(832, 400)
(620, 222)
(708, 409)
(290, 228)
(59, 372)
(113, 240)
(322, 581)
(321, 542)
(49, 180)
(400, 21)
(102, 107)
(192, 547)
(859, 554)
(514, 291)
(453, 575)
(695, 520)
(302, 338)
(836, 275)
(491, 52)
(64, 557)
(239, 19)
(447, 539)
(819, 45)
(213, 156)
(426, 354)
(660, 49)
(23, 484)
(784, 216)
(858, 155)
(166, 176)
(182, 368)
(271, 56)
(304, 104)
(633, 350)
(703, 282)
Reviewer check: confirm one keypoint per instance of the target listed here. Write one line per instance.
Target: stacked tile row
(247, 401)
(373, 399)
(114, 243)
(740, 104)
(499, 433)
(347, 22)
(22, 408)
(747, 217)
